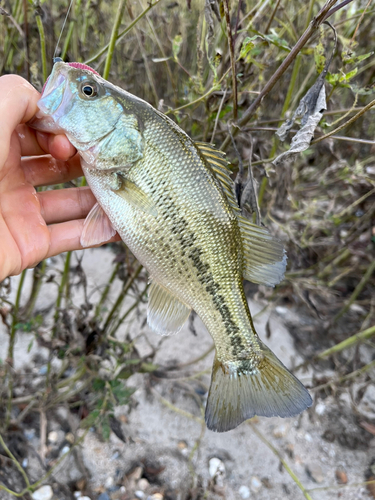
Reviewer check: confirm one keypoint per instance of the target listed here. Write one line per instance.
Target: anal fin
(166, 314)
(240, 390)
(97, 228)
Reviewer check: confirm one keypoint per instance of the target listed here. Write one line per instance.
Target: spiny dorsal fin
(264, 256)
(166, 314)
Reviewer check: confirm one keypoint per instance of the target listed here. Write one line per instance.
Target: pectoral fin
(166, 314)
(97, 228)
(134, 195)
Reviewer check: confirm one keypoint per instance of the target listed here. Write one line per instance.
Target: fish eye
(89, 89)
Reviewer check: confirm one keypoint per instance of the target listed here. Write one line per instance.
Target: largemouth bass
(172, 202)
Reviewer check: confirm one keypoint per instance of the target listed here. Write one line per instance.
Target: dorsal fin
(264, 255)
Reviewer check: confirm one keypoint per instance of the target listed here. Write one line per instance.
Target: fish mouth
(53, 102)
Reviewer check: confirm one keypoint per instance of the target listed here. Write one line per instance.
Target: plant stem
(63, 282)
(349, 342)
(283, 462)
(232, 58)
(357, 291)
(42, 38)
(121, 297)
(123, 33)
(114, 36)
(106, 290)
(14, 460)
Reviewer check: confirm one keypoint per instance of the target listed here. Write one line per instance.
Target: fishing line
(63, 26)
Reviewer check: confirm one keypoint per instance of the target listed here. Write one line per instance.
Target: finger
(17, 105)
(57, 145)
(66, 237)
(46, 171)
(66, 204)
(35, 143)
(28, 141)
(20, 210)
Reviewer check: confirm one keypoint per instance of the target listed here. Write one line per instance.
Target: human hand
(34, 226)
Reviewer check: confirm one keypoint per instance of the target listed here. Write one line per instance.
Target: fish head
(78, 102)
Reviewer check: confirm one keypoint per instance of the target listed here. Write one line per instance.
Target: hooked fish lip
(46, 119)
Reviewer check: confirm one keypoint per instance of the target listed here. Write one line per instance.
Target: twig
(217, 116)
(349, 376)
(272, 17)
(349, 122)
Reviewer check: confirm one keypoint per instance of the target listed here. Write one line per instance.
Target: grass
(237, 72)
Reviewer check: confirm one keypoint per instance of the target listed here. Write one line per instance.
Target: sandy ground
(250, 469)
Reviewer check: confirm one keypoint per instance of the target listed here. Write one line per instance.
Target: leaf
(247, 45)
(311, 109)
(352, 59)
(333, 78)
(176, 45)
(348, 76)
(106, 429)
(161, 59)
(319, 53)
(90, 420)
(277, 41)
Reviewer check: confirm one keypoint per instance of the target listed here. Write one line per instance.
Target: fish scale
(172, 202)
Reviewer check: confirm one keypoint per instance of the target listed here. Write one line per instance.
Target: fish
(172, 202)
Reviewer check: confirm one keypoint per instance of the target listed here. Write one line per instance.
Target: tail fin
(237, 393)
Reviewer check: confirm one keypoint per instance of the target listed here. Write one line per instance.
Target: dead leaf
(368, 427)
(310, 120)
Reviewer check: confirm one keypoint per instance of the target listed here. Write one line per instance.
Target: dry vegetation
(207, 65)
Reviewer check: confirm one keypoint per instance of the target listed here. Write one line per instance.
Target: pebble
(43, 493)
(53, 437)
(315, 472)
(29, 434)
(84, 498)
(244, 492)
(103, 496)
(320, 408)
(143, 484)
(216, 467)
(43, 370)
(116, 455)
(25, 463)
(280, 431)
(139, 494)
(64, 450)
(109, 482)
(77, 494)
(255, 484)
(281, 310)
(156, 496)
(341, 476)
(70, 438)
